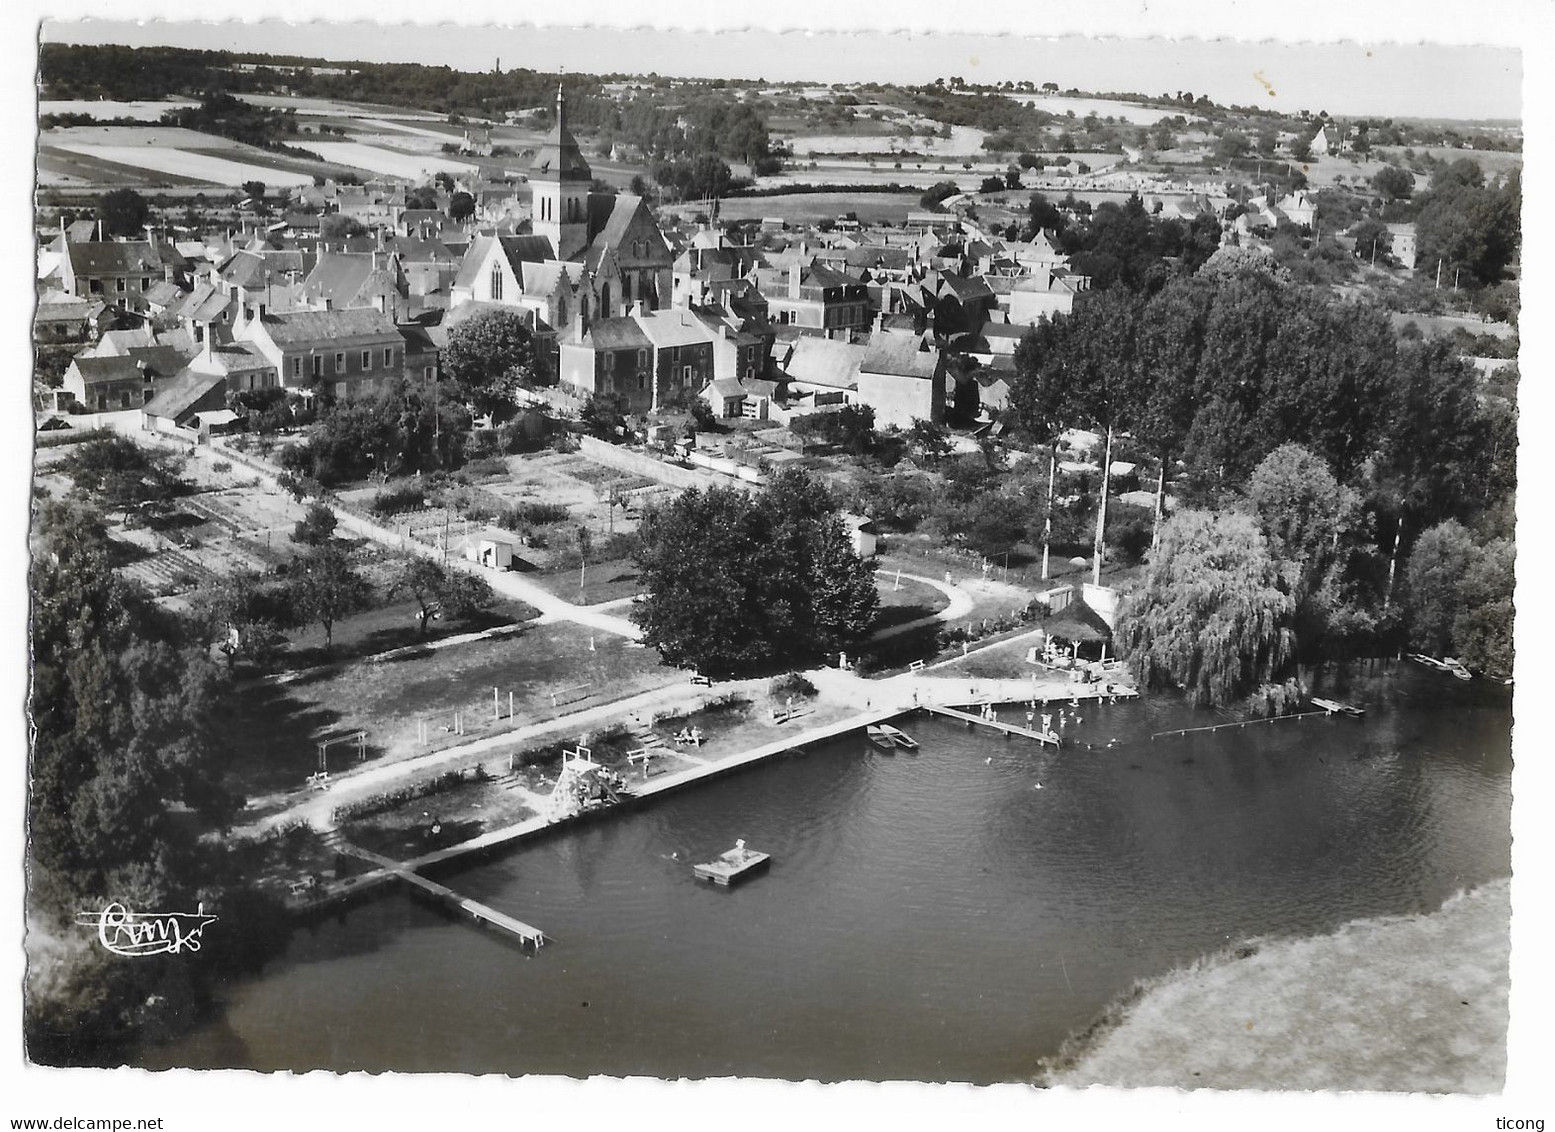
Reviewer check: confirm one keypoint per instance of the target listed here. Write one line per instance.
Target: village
(405, 456)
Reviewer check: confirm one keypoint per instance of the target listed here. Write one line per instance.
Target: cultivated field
(963, 141)
(388, 161)
(141, 111)
(1102, 107)
(90, 153)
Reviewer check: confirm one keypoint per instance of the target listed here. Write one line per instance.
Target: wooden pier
(388, 867)
(1241, 723)
(996, 724)
(526, 933)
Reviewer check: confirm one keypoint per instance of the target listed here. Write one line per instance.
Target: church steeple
(561, 178)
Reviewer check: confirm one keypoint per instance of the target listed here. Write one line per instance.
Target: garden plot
(388, 161)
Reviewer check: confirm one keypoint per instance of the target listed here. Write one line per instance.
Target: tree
(1393, 183)
(120, 475)
(489, 357)
(255, 191)
(328, 587)
(439, 591)
(1211, 617)
(246, 615)
(337, 227)
(316, 527)
(929, 440)
(461, 206)
(444, 180)
(1482, 630)
(1434, 575)
(738, 584)
(1465, 224)
(1301, 149)
(124, 212)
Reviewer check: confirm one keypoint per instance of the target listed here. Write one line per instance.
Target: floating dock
(1047, 738)
(732, 866)
(1342, 708)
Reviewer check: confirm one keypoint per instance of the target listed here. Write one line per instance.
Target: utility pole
(1101, 511)
(1047, 522)
(1438, 275)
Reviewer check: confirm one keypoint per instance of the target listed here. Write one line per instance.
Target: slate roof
(673, 328)
(558, 156)
(181, 394)
(159, 361)
(112, 257)
(892, 352)
(340, 326)
(824, 361)
(617, 334)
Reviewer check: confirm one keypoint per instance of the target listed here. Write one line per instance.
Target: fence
(642, 464)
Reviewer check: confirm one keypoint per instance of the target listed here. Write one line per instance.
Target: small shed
(864, 534)
(490, 548)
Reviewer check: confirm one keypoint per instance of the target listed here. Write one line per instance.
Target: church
(588, 254)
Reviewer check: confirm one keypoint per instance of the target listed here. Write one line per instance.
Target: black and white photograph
(572, 560)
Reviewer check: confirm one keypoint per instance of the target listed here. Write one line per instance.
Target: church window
(496, 283)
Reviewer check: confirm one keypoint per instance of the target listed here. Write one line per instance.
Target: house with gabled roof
(816, 299)
(902, 377)
(118, 381)
(344, 280)
(185, 399)
(343, 353)
(117, 272)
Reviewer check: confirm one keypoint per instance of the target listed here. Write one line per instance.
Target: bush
(487, 467)
(533, 513)
(791, 684)
(400, 497)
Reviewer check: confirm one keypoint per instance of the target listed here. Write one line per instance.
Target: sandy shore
(1399, 1004)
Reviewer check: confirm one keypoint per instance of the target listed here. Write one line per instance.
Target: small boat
(1455, 666)
(897, 736)
(876, 734)
(1333, 706)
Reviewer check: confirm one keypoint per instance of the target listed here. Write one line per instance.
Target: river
(929, 915)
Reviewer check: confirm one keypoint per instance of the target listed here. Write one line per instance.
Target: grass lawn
(603, 581)
(461, 813)
(390, 627)
(277, 727)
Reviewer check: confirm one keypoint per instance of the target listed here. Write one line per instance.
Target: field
(90, 153)
(1102, 107)
(388, 161)
(963, 141)
(141, 111)
(799, 208)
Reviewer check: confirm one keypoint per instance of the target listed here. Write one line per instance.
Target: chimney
(794, 273)
(578, 326)
(637, 309)
(263, 310)
(209, 344)
(99, 229)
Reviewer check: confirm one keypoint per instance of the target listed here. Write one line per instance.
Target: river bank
(1396, 1004)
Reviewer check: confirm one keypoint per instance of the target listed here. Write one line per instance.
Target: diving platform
(733, 865)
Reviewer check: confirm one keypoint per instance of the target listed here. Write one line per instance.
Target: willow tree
(1212, 617)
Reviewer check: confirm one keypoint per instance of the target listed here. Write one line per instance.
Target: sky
(1351, 78)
